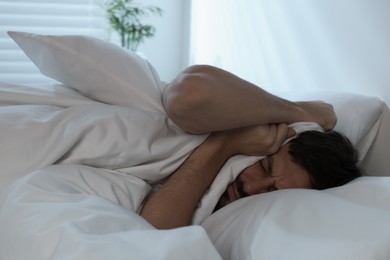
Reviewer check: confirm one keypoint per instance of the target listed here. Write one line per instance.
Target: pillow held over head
(98, 69)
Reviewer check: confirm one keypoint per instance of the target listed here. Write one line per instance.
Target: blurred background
(283, 45)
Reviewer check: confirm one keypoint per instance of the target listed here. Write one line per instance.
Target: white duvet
(80, 212)
(106, 156)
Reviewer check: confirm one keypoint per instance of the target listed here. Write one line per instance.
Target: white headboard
(377, 160)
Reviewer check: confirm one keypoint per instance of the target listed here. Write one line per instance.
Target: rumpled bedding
(75, 172)
(81, 212)
(76, 130)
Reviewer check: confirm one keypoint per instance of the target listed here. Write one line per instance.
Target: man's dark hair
(330, 158)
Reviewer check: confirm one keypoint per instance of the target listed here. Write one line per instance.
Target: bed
(79, 156)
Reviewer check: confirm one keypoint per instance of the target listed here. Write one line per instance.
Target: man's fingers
(279, 134)
(282, 132)
(291, 133)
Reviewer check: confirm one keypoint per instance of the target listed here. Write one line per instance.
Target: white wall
(168, 49)
(354, 34)
(298, 45)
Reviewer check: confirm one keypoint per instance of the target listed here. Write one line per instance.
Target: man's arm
(205, 99)
(174, 204)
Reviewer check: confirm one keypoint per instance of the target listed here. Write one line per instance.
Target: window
(85, 17)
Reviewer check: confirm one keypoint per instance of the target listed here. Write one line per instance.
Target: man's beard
(225, 199)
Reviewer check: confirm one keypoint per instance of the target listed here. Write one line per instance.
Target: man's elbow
(184, 101)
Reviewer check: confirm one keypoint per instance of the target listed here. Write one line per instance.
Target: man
(243, 119)
(311, 160)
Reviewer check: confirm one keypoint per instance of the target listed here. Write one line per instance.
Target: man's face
(274, 172)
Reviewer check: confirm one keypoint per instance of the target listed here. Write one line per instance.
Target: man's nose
(252, 187)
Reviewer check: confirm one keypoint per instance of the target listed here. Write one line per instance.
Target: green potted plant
(125, 18)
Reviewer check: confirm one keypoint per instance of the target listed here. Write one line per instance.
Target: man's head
(329, 158)
(311, 160)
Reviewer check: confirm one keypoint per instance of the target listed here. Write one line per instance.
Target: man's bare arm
(174, 204)
(204, 99)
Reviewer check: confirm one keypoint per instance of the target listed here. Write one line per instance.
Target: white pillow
(340, 223)
(99, 70)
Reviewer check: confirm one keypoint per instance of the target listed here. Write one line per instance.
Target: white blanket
(105, 157)
(43, 127)
(79, 212)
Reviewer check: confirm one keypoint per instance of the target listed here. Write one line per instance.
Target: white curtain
(85, 17)
(296, 44)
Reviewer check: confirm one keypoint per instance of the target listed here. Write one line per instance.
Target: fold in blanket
(71, 130)
(80, 212)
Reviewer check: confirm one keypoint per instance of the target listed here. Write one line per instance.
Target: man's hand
(256, 140)
(319, 112)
